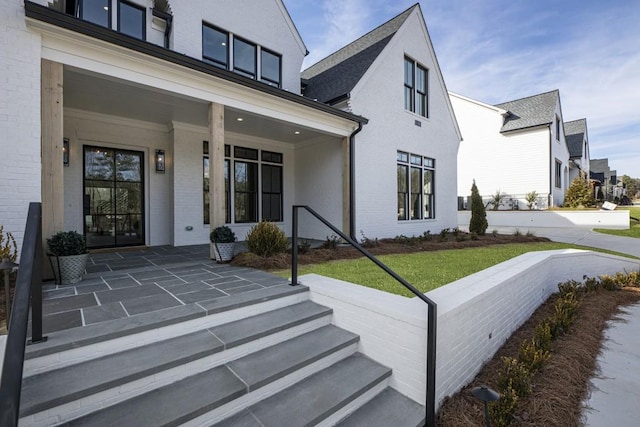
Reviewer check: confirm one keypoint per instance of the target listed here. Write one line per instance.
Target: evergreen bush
(65, 243)
(478, 223)
(267, 239)
(579, 193)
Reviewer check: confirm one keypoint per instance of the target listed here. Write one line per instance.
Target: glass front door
(113, 197)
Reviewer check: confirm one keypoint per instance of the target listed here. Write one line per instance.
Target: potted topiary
(222, 243)
(68, 256)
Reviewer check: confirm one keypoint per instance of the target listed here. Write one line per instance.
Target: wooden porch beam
(217, 212)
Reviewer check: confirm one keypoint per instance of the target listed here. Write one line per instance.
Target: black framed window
(252, 198)
(132, 20)
(215, 46)
(557, 128)
(244, 57)
(558, 177)
(96, 11)
(270, 68)
(416, 191)
(416, 88)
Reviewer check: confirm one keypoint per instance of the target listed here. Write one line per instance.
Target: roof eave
(50, 16)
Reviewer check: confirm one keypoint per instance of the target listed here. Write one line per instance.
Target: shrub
(531, 198)
(331, 242)
(222, 234)
(579, 193)
(474, 236)
(542, 335)
(8, 248)
(443, 234)
(65, 243)
(515, 375)
(501, 411)
(266, 239)
(367, 242)
(304, 246)
(478, 223)
(531, 356)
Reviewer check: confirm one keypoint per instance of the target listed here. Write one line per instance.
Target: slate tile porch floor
(128, 282)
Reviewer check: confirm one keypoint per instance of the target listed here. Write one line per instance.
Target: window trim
(144, 18)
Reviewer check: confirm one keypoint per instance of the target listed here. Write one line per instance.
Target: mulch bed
(562, 384)
(384, 247)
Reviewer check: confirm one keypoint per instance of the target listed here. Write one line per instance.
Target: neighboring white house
(405, 157)
(515, 147)
(578, 143)
(144, 122)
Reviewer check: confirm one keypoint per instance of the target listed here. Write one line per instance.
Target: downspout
(551, 171)
(352, 182)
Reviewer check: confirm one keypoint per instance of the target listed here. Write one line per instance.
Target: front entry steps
(249, 364)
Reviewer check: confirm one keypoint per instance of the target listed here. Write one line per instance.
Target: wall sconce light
(160, 161)
(65, 152)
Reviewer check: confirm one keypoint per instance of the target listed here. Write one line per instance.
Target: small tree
(532, 198)
(579, 193)
(478, 223)
(497, 199)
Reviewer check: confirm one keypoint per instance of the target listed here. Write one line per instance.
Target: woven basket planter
(222, 252)
(69, 269)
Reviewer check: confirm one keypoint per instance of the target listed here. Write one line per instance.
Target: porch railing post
(294, 247)
(430, 416)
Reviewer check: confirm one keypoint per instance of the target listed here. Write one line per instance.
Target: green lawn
(424, 270)
(634, 226)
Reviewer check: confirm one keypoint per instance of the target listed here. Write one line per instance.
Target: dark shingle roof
(528, 112)
(337, 74)
(574, 135)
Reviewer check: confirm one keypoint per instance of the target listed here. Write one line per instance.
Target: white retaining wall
(476, 315)
(618, 219)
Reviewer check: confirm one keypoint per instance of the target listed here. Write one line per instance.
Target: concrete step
(321, 399)
(77, 345)
(53, 388)
(212, 394)
(388, 408)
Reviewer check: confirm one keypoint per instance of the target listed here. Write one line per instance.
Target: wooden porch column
(51, 117)
(346, 180)
(216, 165)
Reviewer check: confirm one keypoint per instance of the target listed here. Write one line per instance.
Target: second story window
(230, 52)
(131, 20)
(244, 57)
(215, 46)
(415, 88)
(270, 67)
(96, 11)
(557, 128)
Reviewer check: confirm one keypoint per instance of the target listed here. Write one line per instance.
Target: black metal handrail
(430, 405)
(28, 286)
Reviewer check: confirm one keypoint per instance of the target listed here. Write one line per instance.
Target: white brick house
(405, 157)
(149, 101)
(515, 147)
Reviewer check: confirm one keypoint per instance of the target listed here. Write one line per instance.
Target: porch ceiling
(103, 94)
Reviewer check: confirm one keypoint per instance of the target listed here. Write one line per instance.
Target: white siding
(20, 178)
(379, 96)
(515, 163)
(560, 152)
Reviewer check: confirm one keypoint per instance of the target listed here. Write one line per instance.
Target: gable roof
(333, 77)
(574, 133)
(536, 110)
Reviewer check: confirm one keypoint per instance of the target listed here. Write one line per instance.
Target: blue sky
(500, 50)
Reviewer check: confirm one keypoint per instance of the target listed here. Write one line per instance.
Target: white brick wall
(19, 118)
(476, 315)
(525, 220)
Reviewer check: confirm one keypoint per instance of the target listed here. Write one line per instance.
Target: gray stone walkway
(131, 282)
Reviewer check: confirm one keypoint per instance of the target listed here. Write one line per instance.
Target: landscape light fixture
(160, 161)
(65, 152)
(487, 395)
